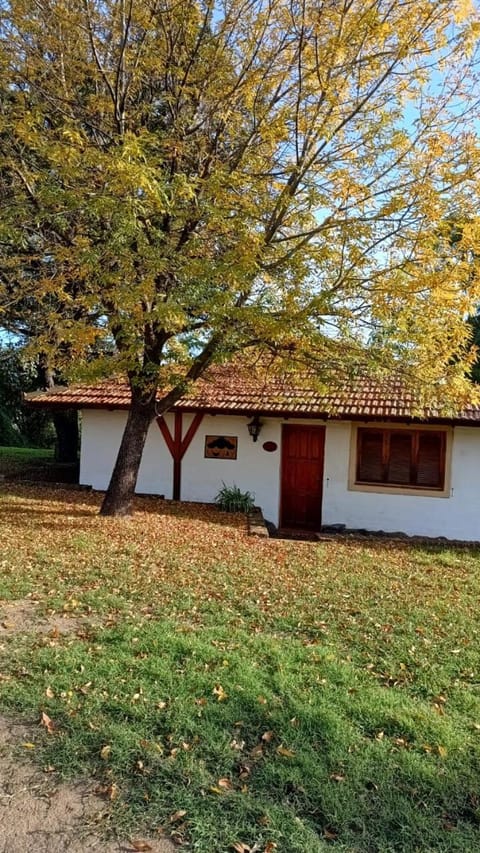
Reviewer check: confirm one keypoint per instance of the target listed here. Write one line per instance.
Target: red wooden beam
(178, 446)
(192, 429)
(177, 456)
(166, 434)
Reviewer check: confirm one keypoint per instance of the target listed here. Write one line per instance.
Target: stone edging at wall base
(256, 523)
(257, 526)
(327, 534)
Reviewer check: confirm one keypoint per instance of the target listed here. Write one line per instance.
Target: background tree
(26, 321)
(457, 230)
(474, 321)
(18, 425)
(23, 369)
(201, 178)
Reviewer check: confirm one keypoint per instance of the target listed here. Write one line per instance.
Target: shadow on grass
(253, 740)
(46, 501)
(31, 501)
(21, 511)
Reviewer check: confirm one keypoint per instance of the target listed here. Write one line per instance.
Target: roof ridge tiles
(363, 397)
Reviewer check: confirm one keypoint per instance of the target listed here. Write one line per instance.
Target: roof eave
(249, 411)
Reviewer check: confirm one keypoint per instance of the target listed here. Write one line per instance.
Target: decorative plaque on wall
(221, 446)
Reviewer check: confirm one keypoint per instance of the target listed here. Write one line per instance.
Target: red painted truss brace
(177, 445)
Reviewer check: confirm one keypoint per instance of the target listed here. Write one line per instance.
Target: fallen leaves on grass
(56, 541)
(241, 847)
(285, 752)
(223, 784)
(48, 723)
(330, 835)
(178, 815)
(111, 791)
(200, 569)
(220, 693)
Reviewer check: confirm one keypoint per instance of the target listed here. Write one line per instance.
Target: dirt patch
(38, 815)
(19, 617)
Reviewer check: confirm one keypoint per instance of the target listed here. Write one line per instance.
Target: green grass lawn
(15, 459)
(244, 694)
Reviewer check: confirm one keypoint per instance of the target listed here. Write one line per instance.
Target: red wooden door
(302, 476)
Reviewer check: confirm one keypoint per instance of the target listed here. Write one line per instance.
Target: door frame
(285, 427)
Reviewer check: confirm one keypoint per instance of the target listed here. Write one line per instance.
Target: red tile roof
(226, 389)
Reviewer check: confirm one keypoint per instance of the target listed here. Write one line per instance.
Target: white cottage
(358, 457)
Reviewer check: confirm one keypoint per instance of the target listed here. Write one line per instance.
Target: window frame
(396, 488)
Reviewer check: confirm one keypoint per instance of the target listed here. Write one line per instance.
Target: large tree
(201, 177)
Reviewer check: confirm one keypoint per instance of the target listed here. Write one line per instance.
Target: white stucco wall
(253, 470)
(101, 436)
(456, 516)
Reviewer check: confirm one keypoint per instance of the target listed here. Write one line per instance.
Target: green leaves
(215, 165)
(184, 184)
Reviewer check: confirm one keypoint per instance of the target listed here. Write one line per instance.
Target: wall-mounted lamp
(254, 427)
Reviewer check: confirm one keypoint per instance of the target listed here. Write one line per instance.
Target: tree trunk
(119, 496)
(66, 429)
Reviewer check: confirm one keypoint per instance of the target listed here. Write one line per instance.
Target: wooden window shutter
(399, 469)
(430, 459)
(412, 458)
(370, 456)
